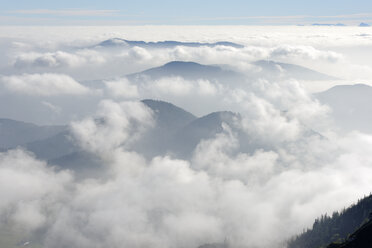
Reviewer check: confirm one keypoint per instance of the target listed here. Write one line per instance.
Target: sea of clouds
(304, 166)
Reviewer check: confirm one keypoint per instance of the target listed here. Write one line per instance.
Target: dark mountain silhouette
(361, 238)
(338, 227)
(351, 106)
(117, 42)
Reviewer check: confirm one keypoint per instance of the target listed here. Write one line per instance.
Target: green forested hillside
(361, 238)
(335, 228)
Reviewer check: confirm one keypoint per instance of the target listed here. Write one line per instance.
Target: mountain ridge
(117, 42)
(335, 228)
(351, 106)
(14, 132)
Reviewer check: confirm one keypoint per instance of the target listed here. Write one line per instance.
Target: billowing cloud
(172, 86)
(122, 88)
(46, 84)
(221, 195)
(304, 52)
(295, 168)
(31, 191)
(139, 54)
(232, 56)
(114, 126)
(59, 59)
(178, 86)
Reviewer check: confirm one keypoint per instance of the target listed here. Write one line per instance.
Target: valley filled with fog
(187, 137)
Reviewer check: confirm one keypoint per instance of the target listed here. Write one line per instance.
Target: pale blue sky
(263, 12)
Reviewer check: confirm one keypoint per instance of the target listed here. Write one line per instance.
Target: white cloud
(139, 54)
(206, 87)
(267, 124)
(122, 88)
(115, 125)
(52, 107)
(216, 156)
(46, 84)
(178, 86)
(165, 202)
(59, 59)
(290, 177)
(291, 97)
(303, 52)
(173, 86)
(30, 189)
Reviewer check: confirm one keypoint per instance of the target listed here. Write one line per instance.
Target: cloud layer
(220, 195)
(46, 84)
(296, 167)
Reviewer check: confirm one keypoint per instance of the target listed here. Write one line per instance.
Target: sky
(192, 12)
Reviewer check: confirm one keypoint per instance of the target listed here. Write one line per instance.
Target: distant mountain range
(176, 132)
(329, 24)
(278, 70)
(119, 42)
(364, 25)
(267, 69)
(169, 119)
(351, 106)
(173, 124)
(339, 24)
(64, 108)
(13, 133)
(190, 71)
(206, 127)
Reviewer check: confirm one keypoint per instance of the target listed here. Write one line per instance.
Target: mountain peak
(291, 70)
(363, 24)
(187, 70)
(182, 63)
(158, 104)
(350, 87)
(169, 114)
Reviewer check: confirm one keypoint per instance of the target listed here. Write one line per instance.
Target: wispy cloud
(288, 19)
(66, 12)
(295, 17)
(119, 17)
